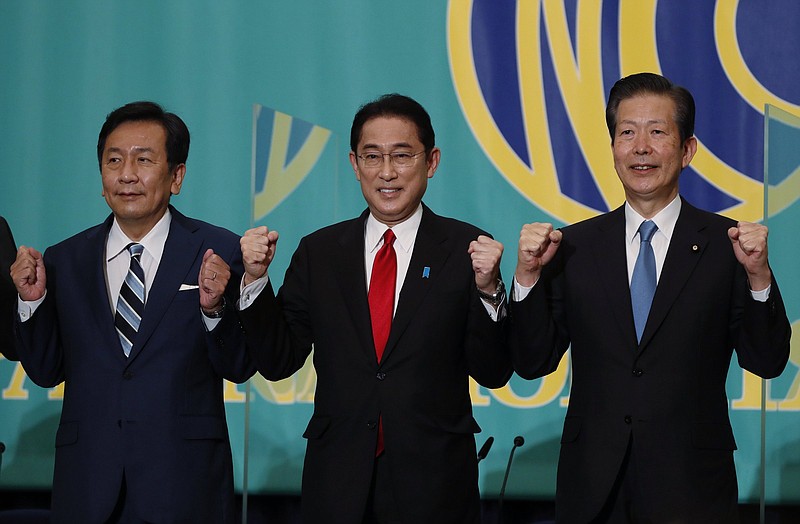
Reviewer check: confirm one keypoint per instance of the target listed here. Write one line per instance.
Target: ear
(433, 161)
(354, 163)
(177, 179)
(689, 150)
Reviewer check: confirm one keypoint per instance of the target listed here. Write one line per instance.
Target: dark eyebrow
(393, 146)
(135, 150)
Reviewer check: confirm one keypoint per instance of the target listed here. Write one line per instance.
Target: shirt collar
(405, 232)
(665, 220)
(153, 241)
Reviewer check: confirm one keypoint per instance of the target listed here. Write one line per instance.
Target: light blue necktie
(130, 304)
(643, 282)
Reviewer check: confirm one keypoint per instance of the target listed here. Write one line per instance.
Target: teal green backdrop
(516, 91)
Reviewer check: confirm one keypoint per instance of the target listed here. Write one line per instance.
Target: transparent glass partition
(295, 189)
(780, 400)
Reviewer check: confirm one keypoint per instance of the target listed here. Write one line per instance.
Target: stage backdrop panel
(516, 91)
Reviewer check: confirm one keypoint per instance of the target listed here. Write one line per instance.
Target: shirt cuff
(495, 314)
(26, 309)
(249, 293)
(519, 291)
(761, 296)
(209, 322)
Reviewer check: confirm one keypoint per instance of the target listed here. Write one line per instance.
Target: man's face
(137, 181)
(648, 152)
(393, 193)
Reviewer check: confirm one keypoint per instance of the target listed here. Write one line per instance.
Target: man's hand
(213, 279)
(749, 242)
(258, 250)
(486, 253)
(538, 243)
(28, 274)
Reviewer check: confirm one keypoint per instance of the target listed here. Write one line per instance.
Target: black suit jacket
(440, 336)
(158, 416)
(665, 395)
(8, 293)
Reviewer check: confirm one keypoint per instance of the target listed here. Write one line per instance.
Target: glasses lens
(402, 159)
(399, 159)
(372, 159)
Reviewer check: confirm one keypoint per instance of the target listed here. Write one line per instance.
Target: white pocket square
(187, 287)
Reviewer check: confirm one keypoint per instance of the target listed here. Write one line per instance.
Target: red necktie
(381, 304)
(381, 292)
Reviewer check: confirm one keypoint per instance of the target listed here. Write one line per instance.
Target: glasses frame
(392, 159)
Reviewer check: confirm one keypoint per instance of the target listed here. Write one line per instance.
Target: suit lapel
(96, 287)
(429, 256)
(348, 263)
(180, 253)
(685, 250)
(611, 259)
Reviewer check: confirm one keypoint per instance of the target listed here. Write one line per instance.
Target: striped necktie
(130, 304)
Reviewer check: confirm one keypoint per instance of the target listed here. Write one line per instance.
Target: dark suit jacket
(158, 416)
(668, 393)
(8, 294)
(441, 334)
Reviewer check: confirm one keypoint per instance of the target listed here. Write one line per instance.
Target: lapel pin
(695, 247)
(426, 272)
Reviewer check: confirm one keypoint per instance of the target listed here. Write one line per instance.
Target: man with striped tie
(134, 315)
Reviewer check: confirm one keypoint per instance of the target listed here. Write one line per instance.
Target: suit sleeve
(537, 332)
(278, 328)
(486, 349)
(39, 338)
(762, 332)
(8, 293)
(227, 346)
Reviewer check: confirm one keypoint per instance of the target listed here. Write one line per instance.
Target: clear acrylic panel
(780, 400)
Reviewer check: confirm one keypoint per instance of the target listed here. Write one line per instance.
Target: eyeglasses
(399, 159)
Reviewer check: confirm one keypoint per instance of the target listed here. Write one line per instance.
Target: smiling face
(648, 153)
(137, 180)
(392, 193)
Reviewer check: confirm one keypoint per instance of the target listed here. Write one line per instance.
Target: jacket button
(371, 424)
(381, 375)
(127, 375)
(638, 372)
(627, 419)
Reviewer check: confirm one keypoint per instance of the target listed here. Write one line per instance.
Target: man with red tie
(401, 307)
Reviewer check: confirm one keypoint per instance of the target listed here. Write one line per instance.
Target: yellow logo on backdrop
(285, 150)
(535, 100)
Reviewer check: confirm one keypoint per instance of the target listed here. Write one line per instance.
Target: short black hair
(177, 132)
(394, 105)
(651, 83)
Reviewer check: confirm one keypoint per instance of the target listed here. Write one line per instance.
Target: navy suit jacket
(8, 294)
(665, 395)
(157, 416)
(440, 336)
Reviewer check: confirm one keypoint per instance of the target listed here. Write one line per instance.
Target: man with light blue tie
(652, 298)
(135, 316)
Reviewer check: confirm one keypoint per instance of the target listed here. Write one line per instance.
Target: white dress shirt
(117, 262)
(665, 220)
(405, 236)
